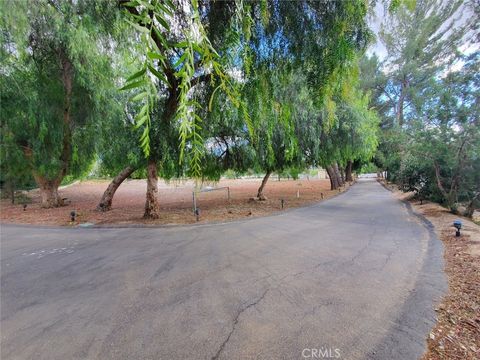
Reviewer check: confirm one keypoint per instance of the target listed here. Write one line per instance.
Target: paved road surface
(356, 276)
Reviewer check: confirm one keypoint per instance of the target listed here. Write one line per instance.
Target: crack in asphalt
(364, 248)
(235, 322)
(390, 254)
(314, 308)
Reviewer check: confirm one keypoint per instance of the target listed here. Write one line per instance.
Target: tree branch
(200, 79)
(439, 181)
(166, 66)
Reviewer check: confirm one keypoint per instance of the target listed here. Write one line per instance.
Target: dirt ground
(457, 332)
(175, 201)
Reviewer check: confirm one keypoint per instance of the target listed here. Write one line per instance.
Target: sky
(374, 22)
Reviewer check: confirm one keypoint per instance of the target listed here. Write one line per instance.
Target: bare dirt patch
(457, 332)
(175, 201)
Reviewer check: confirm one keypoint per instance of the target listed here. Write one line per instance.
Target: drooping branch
(167, 67)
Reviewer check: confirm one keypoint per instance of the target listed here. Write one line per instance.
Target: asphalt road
(354, 277)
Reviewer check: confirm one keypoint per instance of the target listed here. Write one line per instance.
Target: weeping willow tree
(356, 134)
(317, 41)
(179, 61)
(55, 72)
(353, 135)
(297, 53)
(272, 97)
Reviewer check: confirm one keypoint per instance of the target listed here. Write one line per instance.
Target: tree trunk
(337, 174)
(107, 198)
(450, 196)
(342, 174)
(49, 191)
(260, 195)
(471, 206)
(348, 171)
(152, 208)
(332, 177)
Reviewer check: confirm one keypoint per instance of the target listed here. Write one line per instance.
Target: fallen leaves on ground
(175, 199)
(457, 332)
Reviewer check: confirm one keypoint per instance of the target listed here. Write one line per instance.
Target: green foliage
(14, 170)
(422, 40)
(389, 153)
(438, 156)
(55, 56)
(429, 142)
(230, 174)
(353, 136)
(192, 52)
(256, 40)
(368, 168)
(213, 86)
(271, 99)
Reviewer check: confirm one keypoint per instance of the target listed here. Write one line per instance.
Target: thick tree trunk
(327, 169)
(107, 198)
(49, 191)
(471, 206)
(337, 174)
(332, 177)
(348, 171)
(342, 174)
(152, 208)
(260, 195)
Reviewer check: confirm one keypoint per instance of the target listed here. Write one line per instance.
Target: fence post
(194, 203)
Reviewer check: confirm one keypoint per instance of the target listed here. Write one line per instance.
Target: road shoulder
(456, 334)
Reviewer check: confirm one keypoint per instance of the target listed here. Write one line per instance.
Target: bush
(368, 168)
(230, 174)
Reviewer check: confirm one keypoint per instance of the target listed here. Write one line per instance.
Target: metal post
(194, 203)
